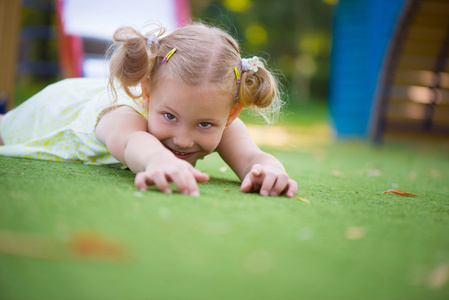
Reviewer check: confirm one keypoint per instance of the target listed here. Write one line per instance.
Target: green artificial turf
(350, 242)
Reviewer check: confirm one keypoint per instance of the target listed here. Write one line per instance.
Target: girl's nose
(183, 140)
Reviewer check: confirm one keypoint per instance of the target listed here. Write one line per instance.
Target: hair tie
(251, 64)
(151, 40)
(169, 54)
(237, 75)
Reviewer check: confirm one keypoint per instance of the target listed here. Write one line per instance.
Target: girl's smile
(181, 155)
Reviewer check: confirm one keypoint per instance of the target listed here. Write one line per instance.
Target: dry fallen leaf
(95, 245)
(85, 245)
(354, 233)
(434, 173)
(302, 199)
(399, 193)
(439, 276)
(337, 173)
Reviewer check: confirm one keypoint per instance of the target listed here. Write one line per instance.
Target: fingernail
(264, 193)
(167, 191)
(195, 194)
(273, 194)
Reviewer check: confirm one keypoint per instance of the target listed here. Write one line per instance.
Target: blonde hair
(205, 55)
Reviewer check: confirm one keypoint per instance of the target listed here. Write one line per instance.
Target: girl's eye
(204, 125)
(170, 117)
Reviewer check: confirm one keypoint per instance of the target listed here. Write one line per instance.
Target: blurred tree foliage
(293, 34)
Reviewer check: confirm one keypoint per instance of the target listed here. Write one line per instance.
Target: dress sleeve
(105, 104)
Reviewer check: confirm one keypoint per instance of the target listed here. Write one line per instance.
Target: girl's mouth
(181, 155)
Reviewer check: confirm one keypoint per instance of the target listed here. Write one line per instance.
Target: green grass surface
(350, 242)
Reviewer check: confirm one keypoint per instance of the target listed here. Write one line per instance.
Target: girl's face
(188, 120)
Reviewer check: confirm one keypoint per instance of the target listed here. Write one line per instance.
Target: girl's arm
(125, 134)
(259, 171)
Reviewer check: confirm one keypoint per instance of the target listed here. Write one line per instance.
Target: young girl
(172, 100)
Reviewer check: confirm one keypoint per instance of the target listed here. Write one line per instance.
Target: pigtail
(133, 55)
(260, 90)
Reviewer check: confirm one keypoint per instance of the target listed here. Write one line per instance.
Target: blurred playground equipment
(86, 28)
(389, 71)
(9, 36)
(83, 32)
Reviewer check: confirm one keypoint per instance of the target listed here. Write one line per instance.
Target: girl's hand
(162, 171)
(268, 181)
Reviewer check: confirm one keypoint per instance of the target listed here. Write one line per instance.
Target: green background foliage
(294, 35)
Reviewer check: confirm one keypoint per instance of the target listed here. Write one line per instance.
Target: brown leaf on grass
(439, 276)
(302, 199)
(337, 173)
(96, 246)
(85, 245)
(433, 277)
(434, 173)
(400, 193)
(354, 233)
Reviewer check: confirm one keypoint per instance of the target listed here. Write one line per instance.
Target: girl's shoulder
(106, 102)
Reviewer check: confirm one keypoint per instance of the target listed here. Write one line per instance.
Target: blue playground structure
(389, 71)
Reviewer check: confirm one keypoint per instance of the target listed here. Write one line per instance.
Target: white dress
(59, 123)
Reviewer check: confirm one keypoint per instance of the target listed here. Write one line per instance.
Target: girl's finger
(141, 180)
(162, 184)
(292, 188)
(267, 184)
(178, 178)
(191, 185)
(200, 176)
(257, 170)
(250, 184)
(280, 185)
(247, 184)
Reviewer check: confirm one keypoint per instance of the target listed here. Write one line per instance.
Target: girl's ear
(146, 93)
(235, 112)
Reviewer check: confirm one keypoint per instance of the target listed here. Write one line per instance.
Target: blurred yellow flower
(315, 43)
(256, 34)
(305, 65)
(331, 2)
(237, 5)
